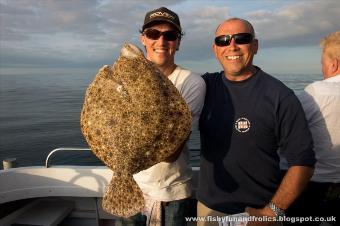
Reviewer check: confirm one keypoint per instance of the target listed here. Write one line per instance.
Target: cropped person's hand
(177, 153)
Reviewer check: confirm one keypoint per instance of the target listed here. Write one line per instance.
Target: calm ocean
(41, 112)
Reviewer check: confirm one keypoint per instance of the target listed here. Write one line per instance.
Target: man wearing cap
(167, 185)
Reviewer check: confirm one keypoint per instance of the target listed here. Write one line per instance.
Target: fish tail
(123, 197)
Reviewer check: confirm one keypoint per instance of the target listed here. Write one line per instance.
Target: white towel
(235, 220)
(153, 212)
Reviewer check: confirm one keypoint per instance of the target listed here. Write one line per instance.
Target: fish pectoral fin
(123, 197)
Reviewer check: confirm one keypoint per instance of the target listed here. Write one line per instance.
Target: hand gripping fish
(133, 117)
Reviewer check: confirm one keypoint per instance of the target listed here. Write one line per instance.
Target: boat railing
(47, 161)
(62, 149)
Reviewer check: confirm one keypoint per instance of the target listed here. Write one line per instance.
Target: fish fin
(123, 197)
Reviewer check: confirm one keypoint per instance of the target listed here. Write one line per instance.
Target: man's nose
(233, 44)
(161, 39)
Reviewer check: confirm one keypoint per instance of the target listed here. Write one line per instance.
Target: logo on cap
(161, 14)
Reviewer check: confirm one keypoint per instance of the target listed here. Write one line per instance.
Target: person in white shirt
(321, 103)
(167, 186)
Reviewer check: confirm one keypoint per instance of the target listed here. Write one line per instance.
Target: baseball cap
(162, 15)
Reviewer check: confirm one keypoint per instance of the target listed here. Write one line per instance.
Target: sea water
(40, 112)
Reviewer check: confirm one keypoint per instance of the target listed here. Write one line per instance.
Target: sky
(62, 36)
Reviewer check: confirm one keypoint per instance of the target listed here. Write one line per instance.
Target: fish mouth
(131, 51)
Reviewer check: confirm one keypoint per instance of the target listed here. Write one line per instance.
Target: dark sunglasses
(240, 39)
(156, 34)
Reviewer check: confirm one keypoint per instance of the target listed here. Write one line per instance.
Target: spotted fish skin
(133, 117)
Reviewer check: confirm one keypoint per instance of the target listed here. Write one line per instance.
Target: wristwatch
(279, 213)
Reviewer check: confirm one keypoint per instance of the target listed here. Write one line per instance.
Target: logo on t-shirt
(242, 125)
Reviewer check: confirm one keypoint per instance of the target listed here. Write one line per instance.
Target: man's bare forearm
(292, 185)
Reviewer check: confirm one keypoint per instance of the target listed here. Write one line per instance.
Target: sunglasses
(156, 34)
(240, 39)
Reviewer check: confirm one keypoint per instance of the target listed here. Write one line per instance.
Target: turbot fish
(132, 118)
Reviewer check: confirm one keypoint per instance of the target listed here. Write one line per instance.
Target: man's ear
(213, 47)
(255, 45)
(335, 66)
(179, 43)
(142, 39)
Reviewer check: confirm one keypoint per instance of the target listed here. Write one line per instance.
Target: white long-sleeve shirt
(321, 103)
(172, 181)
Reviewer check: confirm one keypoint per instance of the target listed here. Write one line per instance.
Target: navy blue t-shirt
(242, 126)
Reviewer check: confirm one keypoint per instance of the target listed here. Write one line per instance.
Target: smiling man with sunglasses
(167, 185)
(247, 116)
